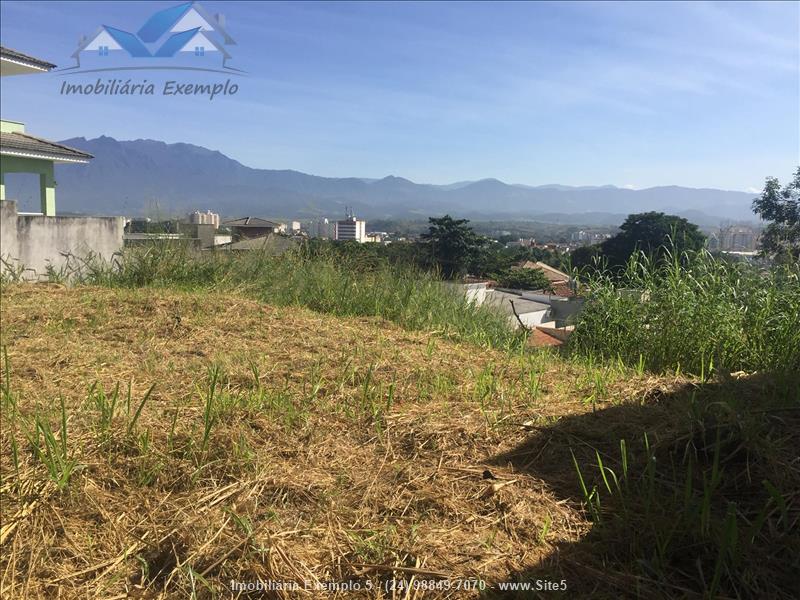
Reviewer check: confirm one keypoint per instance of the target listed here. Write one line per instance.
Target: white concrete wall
(531, 319)
(33, 242)
(474, 292)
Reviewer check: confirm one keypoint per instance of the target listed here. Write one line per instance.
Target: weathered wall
(35, 241)
(8, 229)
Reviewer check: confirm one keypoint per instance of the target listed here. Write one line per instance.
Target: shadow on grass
(692, 493)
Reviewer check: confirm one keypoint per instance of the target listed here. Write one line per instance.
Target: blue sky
(631, 94)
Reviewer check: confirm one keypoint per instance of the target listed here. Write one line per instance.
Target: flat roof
(503, 301)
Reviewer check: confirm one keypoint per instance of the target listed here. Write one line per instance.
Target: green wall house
(21, 152)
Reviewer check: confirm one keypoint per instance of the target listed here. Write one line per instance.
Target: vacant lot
(206, 439)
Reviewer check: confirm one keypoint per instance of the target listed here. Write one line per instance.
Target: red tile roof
(553, 275)
(539, 338)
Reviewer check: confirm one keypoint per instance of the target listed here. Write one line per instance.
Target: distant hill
(132, 177)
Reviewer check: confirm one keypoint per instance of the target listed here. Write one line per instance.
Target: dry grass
(338, 450)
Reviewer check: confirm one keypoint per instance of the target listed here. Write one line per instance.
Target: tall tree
(781, 238)
(652, 233)
(584, 257)
(453, 244)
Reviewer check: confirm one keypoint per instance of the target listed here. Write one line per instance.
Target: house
(25, 153)
(560, 282)
(252, 227)
(30, 244)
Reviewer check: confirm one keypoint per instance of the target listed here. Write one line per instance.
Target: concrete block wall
(33, 242)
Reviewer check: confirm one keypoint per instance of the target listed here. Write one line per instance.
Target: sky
(587, 93)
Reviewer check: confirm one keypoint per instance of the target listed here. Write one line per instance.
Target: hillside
(134, 177)
(356, 444)
(211, 438)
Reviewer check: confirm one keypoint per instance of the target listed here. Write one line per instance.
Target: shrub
(523, 279)
(693, 313)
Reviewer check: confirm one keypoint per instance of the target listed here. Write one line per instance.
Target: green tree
(585, 257)
(453, 244)
(491, 258)
(523, 279)
(781, 238)
(651, 233)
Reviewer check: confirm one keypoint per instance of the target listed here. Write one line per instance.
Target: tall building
(320, 228)
(738, 239)
(351, 229)
(206, 218)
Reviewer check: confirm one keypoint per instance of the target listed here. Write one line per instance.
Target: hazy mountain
(134, 177)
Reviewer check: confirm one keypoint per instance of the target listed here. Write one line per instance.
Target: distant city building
(351, 229)
(294, 227)
(147, 225)
(376, 236)
(206, 218)
(585, 238)
(737, 238)
(320, 228)
(712, 241)
(252, 227)
(522, 243)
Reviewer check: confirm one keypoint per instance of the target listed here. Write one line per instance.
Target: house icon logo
(183, 37)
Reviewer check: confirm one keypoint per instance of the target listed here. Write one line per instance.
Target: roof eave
(45, 156)
(29, 65)
(22, 59)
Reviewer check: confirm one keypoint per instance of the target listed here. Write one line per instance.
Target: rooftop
(553, 275)
(503, 300)
(22, 63)
(272, 244)
(22, 144)
(251, 222)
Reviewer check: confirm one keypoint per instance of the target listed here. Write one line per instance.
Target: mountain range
(139, 176)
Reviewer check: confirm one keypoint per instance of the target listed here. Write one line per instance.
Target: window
(199, 51)
(103, 50)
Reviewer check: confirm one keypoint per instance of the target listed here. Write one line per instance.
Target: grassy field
(325, 281)
(164, 443)
(185, 421)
